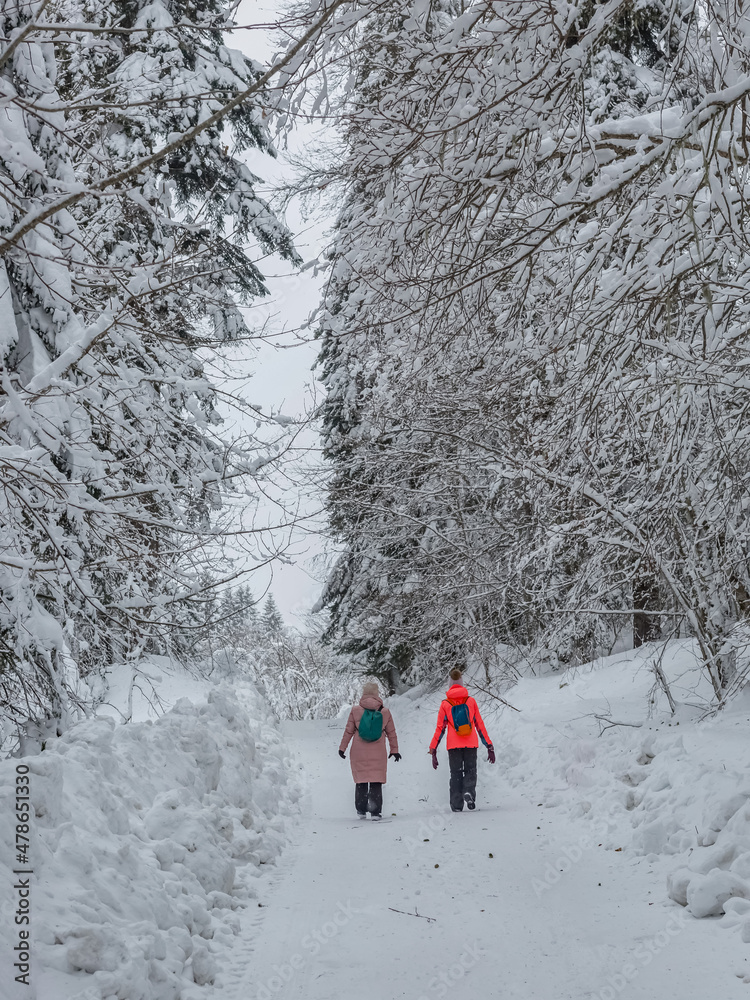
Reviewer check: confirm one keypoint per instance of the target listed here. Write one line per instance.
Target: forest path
(505, 921)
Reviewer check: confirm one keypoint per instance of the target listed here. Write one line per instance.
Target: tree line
(236, 636)
(534, 338)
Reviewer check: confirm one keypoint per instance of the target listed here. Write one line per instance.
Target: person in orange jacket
(459, 714)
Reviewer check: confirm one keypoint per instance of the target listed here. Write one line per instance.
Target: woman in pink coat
(369, 759)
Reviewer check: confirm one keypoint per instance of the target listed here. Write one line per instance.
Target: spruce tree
(380, 501)
(116, 460)
(238, 617)
(271, 621)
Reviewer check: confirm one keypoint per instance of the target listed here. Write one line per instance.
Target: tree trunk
(646, 627)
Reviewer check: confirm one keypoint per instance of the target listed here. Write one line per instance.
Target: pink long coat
(369, 761)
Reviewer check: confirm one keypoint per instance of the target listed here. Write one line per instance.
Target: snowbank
(145, 838)
(669, 789)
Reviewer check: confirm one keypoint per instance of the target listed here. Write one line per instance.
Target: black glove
(491, 754)
(396, 756)
(434, 758)
(342, 755)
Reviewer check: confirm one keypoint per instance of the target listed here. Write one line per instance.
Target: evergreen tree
(114, 460)
(271, 621)
(384, 509)
(238, 618)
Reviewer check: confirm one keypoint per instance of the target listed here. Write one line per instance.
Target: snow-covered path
(520, 905)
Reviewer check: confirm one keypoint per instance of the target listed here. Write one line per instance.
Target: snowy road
(520, 904)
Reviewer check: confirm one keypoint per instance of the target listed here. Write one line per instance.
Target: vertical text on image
(23, 873)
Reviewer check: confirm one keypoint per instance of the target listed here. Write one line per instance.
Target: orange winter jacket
(456, 695)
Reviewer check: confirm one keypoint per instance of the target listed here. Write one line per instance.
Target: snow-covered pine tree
(388, 507)
(238, 616)
(271, 620)
(113, 460)
(415, 587)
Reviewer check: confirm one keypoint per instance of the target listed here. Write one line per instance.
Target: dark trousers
(463, 765)
(368, 798)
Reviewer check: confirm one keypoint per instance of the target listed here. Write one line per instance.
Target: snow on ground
(583, 874)
(673, 792)
(148, 838)
(554, 888)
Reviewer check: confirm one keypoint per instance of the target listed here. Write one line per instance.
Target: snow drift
(600, 744)
(138, 833)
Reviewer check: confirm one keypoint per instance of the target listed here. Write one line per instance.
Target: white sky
(281, 376)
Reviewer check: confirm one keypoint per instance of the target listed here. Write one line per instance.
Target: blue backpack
(461, 719)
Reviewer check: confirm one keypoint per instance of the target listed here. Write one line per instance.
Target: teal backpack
(371, 725)
(461, 719)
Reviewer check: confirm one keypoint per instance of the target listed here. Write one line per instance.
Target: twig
(495, 696)
(415, 914)
(662, 679)
(611, 722)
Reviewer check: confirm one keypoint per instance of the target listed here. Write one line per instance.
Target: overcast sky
(282, 378)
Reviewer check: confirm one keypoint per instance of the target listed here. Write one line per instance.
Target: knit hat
(371, 687)
(456, 674)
